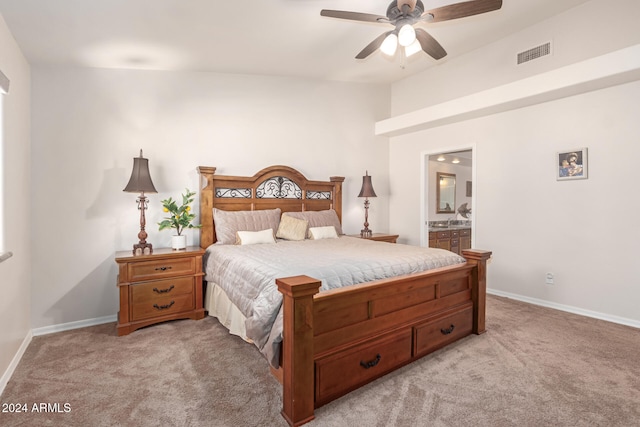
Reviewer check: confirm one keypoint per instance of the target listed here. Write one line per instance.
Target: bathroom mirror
(445, 192)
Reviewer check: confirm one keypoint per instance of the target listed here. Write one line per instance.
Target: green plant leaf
(179, 217)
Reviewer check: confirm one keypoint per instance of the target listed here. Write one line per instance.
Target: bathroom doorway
(448, 193)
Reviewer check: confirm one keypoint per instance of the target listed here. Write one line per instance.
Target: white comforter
(247, 274)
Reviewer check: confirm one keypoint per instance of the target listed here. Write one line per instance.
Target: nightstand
(164, 285)
(380, 237)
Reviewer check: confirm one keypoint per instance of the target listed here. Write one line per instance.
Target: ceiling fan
(403, 14)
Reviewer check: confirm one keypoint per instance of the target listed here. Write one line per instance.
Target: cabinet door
(455, 241)
(455, 245)
(443, 240)
(465, 243)
(465, 239)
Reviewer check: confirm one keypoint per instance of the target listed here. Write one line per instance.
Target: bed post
(337, 195)
(297, 348)
(206, 205)
(478, 258)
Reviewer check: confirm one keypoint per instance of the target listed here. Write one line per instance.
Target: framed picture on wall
(572, 164)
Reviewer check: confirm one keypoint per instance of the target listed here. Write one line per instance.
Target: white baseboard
(73, 325)
(44, 331)
(567, 308)
(14, 362)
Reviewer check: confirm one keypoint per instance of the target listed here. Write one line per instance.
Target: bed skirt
(218, 305)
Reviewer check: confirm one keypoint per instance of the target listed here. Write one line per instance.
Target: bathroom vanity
(454, 238)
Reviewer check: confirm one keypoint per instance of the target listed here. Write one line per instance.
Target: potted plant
(180, 217)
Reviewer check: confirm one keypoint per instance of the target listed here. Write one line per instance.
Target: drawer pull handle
(163, 268)
(163, 307)
(371, 363)
(448, 330)
(163, 291)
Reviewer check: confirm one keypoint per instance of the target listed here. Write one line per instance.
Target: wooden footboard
(371, 329)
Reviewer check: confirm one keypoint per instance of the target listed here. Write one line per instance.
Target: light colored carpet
(533, 367)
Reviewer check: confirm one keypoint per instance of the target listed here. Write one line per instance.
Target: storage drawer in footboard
(437, 333)
(339, 373)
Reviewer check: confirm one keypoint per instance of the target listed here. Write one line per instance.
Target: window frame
(4, 91)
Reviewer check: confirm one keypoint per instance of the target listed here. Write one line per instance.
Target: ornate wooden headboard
(273, 187)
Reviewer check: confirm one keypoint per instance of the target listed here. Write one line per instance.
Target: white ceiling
(272, 37)
(461, 158)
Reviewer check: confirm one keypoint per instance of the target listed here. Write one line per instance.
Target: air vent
(534, 53)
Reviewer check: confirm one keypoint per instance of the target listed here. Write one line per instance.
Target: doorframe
(424, 188)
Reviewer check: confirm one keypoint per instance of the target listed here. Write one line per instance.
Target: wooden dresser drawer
(162, 306)
(342, 372)
(443, 235)
(465, 232)
(437, 333)
(154, 269)
(161, 288)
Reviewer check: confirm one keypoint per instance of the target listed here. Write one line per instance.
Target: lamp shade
(367, 187)
(389, 45)
(140, 181)
(413, 48)
(406, 35)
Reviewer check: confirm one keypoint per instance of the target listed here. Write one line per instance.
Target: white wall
(15, 272)
(88, 124)
(582, 231)
(534, 224)
(576, 35)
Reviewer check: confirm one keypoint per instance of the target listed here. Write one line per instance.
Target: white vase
(178, 242)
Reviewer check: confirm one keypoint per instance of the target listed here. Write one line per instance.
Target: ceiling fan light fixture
(406, 35)
(402, 14)
(389, 45)
(413, 48)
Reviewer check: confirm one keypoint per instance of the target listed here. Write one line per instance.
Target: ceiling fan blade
(430, 45)
(461, 10)
(354, 16)
(373, 46)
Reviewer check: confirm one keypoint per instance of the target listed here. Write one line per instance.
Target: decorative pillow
(328, 232)
(291, 228)
(319, 218)
(228, 223)
(254, 237)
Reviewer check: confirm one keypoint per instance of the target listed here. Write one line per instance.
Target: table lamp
(366, 191)
(140, 181)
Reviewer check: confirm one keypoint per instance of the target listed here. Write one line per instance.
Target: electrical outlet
(549, 279)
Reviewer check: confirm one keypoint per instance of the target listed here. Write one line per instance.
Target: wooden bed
(339, 340)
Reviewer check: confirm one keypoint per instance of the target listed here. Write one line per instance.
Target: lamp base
(143, 249)
(365, 232)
